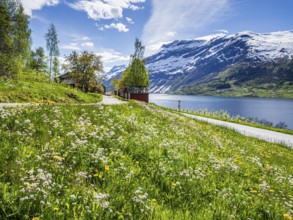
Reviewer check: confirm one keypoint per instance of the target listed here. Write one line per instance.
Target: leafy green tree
(56, 67)
(6, 45)
(14, 37)
(22, 33)
(52, 46)
(84, 68)
(136, 73)
(38, 60)
(116, 83)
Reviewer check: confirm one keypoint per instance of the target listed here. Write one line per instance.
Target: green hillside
(136, 161)
(273, 79)
(41, 90)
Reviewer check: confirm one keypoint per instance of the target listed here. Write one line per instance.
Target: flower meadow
(136, 161)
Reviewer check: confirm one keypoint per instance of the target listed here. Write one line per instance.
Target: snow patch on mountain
(115, 71)
(271, 46)
(182, 62)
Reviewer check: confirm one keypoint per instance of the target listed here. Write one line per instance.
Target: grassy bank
(135, 161)
(224, 116)
(37, 91)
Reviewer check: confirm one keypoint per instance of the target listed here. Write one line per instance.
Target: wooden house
(132, 92)
(68, 79)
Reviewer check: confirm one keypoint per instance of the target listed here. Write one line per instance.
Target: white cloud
(107, 9)
(155, 47)
(171, 33)
(88, 44)
(223, 31)
(182, 17)
(85, 38)
(129, 20)
(119, 26)
(70, 46)
(31, 5)
(135, 7)
(111, 58)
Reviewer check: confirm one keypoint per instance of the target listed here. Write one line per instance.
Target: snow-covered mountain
(188, 63)
(115, 72)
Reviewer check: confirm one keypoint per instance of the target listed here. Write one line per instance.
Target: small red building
(136, 93)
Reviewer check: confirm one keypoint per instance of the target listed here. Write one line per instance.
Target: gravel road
(267, 135)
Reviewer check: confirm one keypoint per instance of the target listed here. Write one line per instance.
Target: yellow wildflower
(122, 157)
(96, 175)
(174, 184)
(271, 191)
(287, 217)
(107, 168)
(36, 218)
(58, 158)
(56, 209)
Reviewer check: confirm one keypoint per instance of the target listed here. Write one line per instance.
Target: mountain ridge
(183, 65)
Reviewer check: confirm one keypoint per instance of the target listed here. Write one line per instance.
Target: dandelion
(287, 217)
(174, 184)
(107, 168)
(56, 209)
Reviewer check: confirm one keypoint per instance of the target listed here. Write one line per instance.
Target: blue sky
(109, 27)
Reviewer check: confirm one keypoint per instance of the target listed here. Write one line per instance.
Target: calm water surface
(273, 110)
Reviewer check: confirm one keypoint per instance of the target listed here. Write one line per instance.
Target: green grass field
(39, 91)
(136, 161)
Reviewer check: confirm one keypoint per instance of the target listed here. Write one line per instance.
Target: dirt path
(2, 105)
(267, 135)
(110, 100)
(107, 100)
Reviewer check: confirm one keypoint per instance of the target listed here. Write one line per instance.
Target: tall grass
(135, 161)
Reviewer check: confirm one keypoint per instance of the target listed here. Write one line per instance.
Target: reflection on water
(274, 110)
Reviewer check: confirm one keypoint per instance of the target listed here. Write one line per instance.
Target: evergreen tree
(14, 38)
(52, 45)
(38, 60)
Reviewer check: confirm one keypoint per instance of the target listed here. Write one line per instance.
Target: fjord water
(271, 109)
